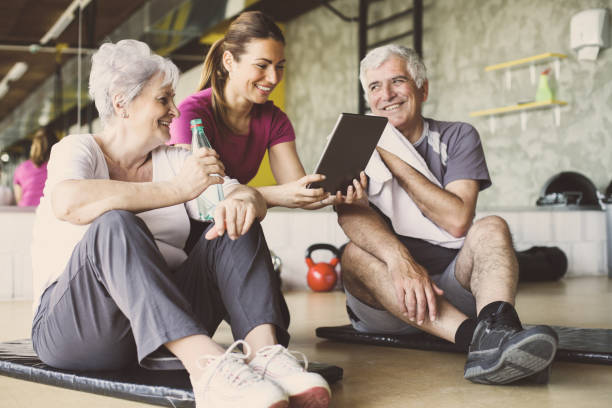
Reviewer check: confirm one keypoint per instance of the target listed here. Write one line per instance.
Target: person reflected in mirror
(30, 176)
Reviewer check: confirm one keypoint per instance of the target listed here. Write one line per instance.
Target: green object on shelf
(544, 92)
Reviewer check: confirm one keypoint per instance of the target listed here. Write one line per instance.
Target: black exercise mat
(165, 388)
(592, 346)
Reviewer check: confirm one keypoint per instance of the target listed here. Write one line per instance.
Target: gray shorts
(365, 318)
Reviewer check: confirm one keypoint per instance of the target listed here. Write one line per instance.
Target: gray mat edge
(97, 386)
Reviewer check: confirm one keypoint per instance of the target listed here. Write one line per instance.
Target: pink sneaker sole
(316, 397)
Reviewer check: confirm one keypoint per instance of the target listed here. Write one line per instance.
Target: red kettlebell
(322, 276)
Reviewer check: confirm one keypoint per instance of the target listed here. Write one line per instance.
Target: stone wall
(460, 38)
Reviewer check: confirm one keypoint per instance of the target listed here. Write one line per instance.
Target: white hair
(376, 57)
(124, 69)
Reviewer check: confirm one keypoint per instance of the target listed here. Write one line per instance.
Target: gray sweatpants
(117, 300)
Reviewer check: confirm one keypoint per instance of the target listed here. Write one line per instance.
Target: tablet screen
(348, 150)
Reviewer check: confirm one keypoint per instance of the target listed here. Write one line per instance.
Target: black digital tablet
(348, 150)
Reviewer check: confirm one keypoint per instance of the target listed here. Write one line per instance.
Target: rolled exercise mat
(593, 346)
(166, 388)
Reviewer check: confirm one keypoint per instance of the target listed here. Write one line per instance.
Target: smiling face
(152, 110)
(257, 72)
(392, 93)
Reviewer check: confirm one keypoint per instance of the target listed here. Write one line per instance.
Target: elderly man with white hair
(416, 260)
(113, 282)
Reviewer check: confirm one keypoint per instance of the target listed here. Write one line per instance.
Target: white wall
(15, 264)
(580, 234)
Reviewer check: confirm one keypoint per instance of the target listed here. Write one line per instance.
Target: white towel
(387, 194)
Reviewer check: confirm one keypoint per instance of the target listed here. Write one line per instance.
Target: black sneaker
(501, 352)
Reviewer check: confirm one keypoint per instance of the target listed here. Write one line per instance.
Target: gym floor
(389, 377)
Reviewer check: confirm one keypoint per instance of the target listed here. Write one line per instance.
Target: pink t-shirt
(241, 154)
(32, 181)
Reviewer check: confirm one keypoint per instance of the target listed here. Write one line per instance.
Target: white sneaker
(228, 381)
(277, 364)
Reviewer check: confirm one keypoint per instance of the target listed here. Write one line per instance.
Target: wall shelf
(531, 61)
(522, 108)
(524, 61)
(518, 107)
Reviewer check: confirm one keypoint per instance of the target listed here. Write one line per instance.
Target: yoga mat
(593, 346)
(166, 388)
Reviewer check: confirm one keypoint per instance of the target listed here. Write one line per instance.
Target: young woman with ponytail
(239, 73)
(30, 176)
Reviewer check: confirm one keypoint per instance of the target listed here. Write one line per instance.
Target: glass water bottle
(206, 203)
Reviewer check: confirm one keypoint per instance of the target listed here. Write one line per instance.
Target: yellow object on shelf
(518, 107)
(523, 61)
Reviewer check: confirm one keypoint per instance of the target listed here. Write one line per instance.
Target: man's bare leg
(367, 278)
(486, 265)
(501, 351)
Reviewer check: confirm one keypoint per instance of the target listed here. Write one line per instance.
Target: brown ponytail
(214, 76)
(41, 146)
(246, 27)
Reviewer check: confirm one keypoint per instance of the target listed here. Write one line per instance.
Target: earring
(124, 115)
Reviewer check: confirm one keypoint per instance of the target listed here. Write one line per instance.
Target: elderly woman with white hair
(112, 280)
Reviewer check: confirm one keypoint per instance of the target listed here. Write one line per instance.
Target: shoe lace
(287, 357)
(231, 365)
